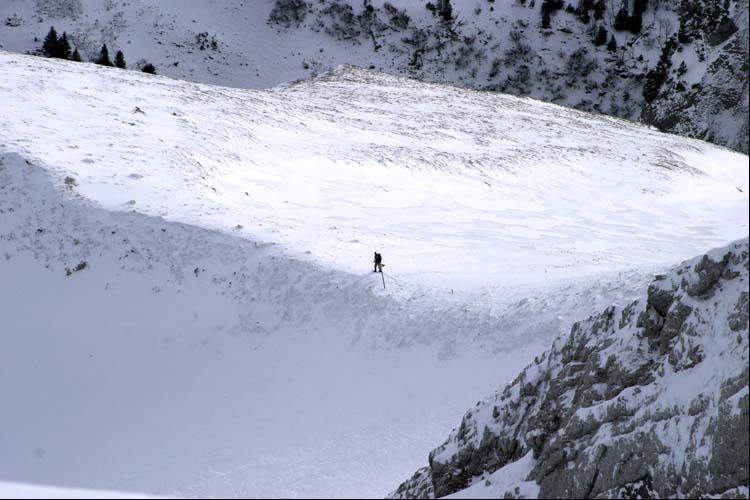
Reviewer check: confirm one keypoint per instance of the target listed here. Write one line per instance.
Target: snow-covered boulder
(648, 400)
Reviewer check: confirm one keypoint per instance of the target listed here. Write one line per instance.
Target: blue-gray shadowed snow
(188, 302)
(22, 490)
(700, 90)
(649, 400)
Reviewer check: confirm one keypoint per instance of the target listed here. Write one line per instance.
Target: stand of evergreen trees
(624, 21)
(56, 47)
(548, 7)
(657, 76)
(59, 47)
(443, 9)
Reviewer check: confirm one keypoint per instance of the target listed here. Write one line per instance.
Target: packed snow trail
(187, 294)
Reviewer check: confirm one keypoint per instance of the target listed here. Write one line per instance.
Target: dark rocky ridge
(650, 400)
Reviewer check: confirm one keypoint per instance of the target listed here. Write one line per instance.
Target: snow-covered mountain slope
(487, 45)
(355, 161)
(645, 401)
(165, 329)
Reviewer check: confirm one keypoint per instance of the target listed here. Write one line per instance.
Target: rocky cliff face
(648, 400)
(716, 107)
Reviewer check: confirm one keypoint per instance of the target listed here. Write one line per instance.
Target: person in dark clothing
(378, 263)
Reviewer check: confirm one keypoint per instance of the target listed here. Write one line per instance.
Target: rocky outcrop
(715, 108)
(648, 400)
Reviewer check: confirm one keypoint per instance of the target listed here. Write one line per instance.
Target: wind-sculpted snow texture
(355, 160)
(187, 299)
(649, 400)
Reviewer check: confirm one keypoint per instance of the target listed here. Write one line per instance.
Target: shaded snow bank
(20, 490)
(146, 355)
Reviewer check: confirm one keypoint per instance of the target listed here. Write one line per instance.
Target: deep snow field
(192, 312)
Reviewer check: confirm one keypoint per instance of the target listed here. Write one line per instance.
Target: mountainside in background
(188, 303)
(679, 64)
(644, 401)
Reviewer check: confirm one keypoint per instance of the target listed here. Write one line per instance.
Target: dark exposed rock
(598, 411)
(720, 97)
(738, 319)
(673, 325)
(709, 273)
(661, 300)
(723, 32)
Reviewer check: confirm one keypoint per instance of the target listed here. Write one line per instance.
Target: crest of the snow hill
(342, 73)
(595, 56)
(648, 400)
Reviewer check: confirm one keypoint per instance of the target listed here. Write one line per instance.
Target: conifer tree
(120, 60)
(656, 77)
(636, 20)
(639, 7)
(622, 19)
(682, 69)
(599, 9)
(63, 47)
(601, 36)
(445, 10)
(104, 57)
(76, 56)
(49, 48)
(149, 68)
(636, 23)
(545, 19)
(612, 45)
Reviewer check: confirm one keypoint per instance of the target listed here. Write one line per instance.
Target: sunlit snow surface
(227, 335)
